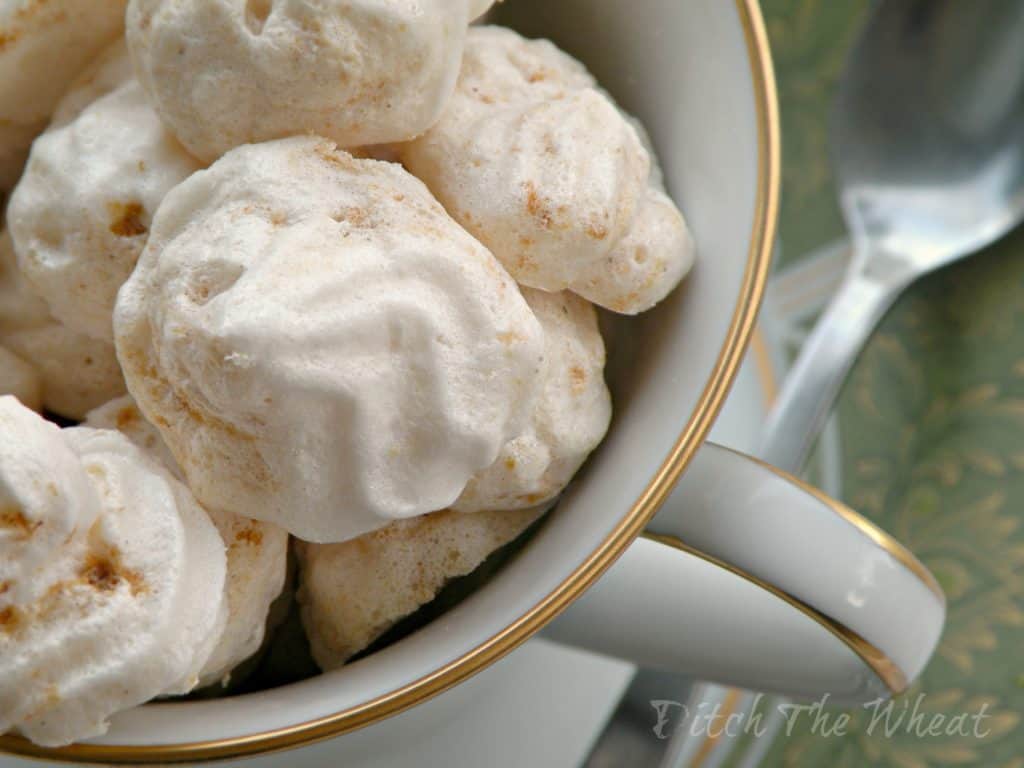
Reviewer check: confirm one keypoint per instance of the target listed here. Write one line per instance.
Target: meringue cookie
(113, 579)
(653, 257)
(351, 593)
(646, 264)
(76, 373)
(257, 566)
(20, 308)
(306, 328)
(46, 44)
(81, 213)
(478, 8)
(45, 497)
(541, 166)
(110, 70)
(20, 379)
(257, 552)
(570, 417)
(223, 73)
(123, 415)
(144, 509)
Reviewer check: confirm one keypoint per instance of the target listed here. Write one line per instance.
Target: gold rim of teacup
(486, 653)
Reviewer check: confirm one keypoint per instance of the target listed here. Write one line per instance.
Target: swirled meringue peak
(223, 73)
(81, 213)
(257, 551)
(320, 345)
(113, 579)
(570, 416)
(540, 165)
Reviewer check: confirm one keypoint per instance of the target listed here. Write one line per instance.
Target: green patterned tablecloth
(809, 40)
(929, 435)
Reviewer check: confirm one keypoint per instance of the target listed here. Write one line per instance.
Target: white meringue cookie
(144, 509)
(570, 417)
(46, 44)
(20, 308)
(540, 165)
(113, 579)
(123, 415)
(223, 73)
(351, 593)
(646, 264)
(531, 159)
(45, 498)
(20, 379)
(76, 372)
(257, 552)
(655, 254)
(478, 8)
(81, 213)
(108, 71)
(257, 566)
(306, 328)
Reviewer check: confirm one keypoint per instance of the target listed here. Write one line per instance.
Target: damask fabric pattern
(929, 438)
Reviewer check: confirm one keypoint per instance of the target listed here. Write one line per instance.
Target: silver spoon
(928, 148)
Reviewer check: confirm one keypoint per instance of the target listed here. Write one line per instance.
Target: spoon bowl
(927, 143)
(928, 129)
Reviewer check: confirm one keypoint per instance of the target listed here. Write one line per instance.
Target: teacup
(745, 576)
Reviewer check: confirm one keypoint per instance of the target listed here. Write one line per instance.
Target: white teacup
(745, 576)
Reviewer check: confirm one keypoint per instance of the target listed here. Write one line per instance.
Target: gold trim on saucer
(891, 675)
(711, 400)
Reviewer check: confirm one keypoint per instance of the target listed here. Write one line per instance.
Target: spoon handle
(814, 381)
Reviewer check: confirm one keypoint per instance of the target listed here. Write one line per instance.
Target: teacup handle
(749, 577)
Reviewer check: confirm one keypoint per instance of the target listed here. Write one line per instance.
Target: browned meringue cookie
(570, 416)
(353, 592)
(80, 215)
(113, 579)
(541, 166)
(46, 45)
(108, 72)
(76, 373)
(305, 327)
(223, 73)
(257, 552)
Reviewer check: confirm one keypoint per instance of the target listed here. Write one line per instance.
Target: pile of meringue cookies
(317, 275)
